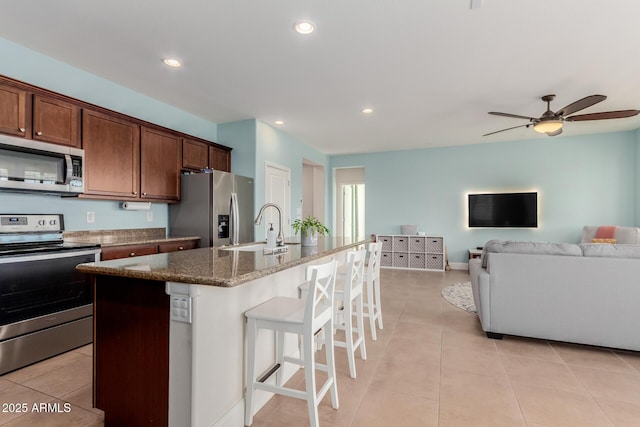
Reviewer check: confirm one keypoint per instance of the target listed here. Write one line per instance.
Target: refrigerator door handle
(234, 220)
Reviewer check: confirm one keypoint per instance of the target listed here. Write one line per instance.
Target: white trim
(459, 265)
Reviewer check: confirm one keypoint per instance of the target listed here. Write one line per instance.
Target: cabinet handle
(38, 133)
(132, 254)
(135, 193)
(144, 194)
(180, 248)
(22, 130)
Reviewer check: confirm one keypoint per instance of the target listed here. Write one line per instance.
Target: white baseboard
(459, 265)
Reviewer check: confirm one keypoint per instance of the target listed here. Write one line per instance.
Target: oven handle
(49, 255)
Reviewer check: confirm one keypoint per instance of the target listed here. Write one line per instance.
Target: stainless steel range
(46, 306)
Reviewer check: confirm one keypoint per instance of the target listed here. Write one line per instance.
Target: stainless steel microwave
(33, 166)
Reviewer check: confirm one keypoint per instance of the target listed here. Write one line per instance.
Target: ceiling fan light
(548, 126)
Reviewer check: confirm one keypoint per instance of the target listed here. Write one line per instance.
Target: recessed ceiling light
(367, 110)
(279, 122)
(304, 27)
(172, 62)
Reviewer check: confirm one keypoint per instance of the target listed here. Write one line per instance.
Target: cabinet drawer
(417, 244)
(128, 251)
(177, 246)
(416, 261)
(434, 262)
(387, 243)
(400, 243)
(401, 259)
(386, 259)
(434, 244)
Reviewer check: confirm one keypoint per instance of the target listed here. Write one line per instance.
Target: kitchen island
(169, 330)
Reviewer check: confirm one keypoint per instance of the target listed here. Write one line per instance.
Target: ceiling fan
(551, 123)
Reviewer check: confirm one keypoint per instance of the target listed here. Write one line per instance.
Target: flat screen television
(509, 210)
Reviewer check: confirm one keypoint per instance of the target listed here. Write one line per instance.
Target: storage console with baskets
(415, 252)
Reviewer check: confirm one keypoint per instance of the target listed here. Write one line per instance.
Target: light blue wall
(241, 136)
(587, 180)
(276, 146)
(40, 70)
(108, 215)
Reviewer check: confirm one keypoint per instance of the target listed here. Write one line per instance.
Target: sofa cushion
(538, 248)
(610, 251)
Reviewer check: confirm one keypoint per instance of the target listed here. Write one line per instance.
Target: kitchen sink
(253, 247)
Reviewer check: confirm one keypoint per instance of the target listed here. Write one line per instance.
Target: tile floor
(62, 380)
(431, 366)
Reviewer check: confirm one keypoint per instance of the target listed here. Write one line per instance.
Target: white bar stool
(303, 317)
(349, 293)
(372, 278)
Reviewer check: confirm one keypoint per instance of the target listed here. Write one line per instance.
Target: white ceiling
(431, 69)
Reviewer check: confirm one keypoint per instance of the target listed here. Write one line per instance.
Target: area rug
(461, 296)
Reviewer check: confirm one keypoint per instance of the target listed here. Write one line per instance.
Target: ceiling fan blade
(502, 130)
(515, 116)
(602, 116)
(558, 132)
(580, 104)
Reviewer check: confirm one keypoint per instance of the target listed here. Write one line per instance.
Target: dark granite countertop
(216, 266)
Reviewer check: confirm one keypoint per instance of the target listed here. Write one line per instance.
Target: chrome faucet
(280, 238)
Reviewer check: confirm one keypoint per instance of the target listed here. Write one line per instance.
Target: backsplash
(113, 236)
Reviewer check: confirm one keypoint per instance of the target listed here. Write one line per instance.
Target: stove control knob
(52, 222)
(42, 222)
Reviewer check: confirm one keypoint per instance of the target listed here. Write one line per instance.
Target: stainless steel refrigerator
(216, 206)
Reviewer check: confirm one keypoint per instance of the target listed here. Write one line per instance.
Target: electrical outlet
(150, 216)
(181, 308)
(91, 217)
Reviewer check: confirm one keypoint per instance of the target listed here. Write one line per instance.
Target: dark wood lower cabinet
(131, 351)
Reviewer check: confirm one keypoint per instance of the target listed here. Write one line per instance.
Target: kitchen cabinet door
(112, 156)
(56, 121)
(219, 159)
(195, 155)
(160, 163)
(15, 108)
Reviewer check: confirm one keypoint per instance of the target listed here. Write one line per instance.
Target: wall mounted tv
(508, 210)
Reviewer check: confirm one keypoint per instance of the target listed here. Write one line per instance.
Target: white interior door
(278, 191)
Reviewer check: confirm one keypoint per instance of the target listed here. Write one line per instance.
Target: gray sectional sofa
(587, 293)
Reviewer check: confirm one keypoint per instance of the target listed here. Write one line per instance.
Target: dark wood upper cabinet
(125, 158)
(15, 109)
(56, 121)
(195, 155)
(219, 159)
(112, 155)
(160, 163)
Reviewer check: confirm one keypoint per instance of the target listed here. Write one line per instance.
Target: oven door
(43, 290)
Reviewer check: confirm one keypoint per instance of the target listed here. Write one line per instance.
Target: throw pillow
(612, 241)
(606, 232)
